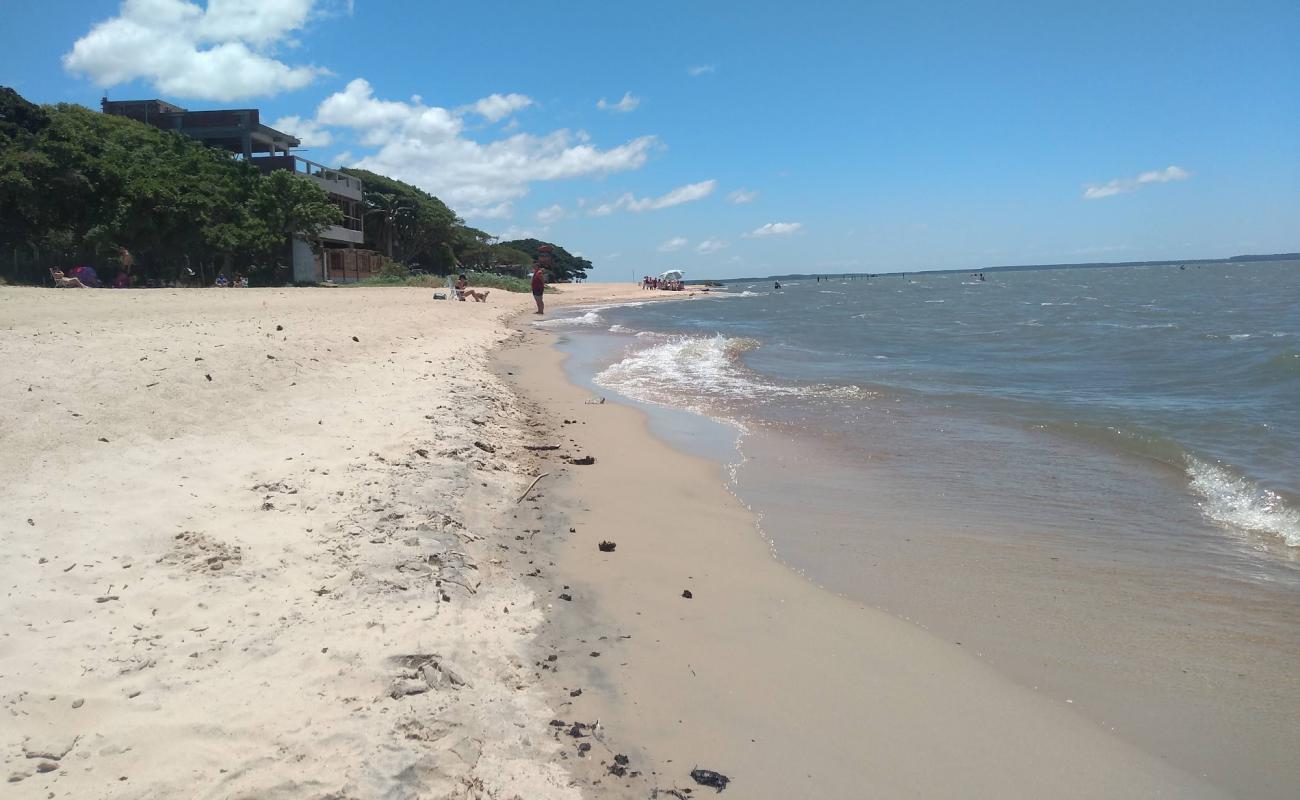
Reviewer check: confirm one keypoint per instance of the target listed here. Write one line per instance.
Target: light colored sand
(132, 666)
(789, 690)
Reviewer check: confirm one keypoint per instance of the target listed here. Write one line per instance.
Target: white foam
(587, 320)
(684, 370)
(620, 329)
(1233, 500)
(745, 293)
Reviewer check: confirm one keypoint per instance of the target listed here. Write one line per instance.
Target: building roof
(239, 130)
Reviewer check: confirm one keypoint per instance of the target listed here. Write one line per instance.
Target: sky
(749, 138)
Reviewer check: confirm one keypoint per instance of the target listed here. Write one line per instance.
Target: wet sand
(789, 690)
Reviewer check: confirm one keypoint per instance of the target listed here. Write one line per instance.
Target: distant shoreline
(1024, 267)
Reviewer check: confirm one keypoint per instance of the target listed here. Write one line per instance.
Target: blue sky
(750, 138)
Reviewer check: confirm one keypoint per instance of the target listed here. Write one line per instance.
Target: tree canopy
(77, 185)
(565, 266)
(407, 223)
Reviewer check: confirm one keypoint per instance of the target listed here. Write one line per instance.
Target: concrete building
(240, 131)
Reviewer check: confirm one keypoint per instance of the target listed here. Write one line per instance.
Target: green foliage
(407, 223)
(76, 185)
(393, 272)
(564, 267)
(285, 205)
(506, 260)
(477, 280)
(491, 280)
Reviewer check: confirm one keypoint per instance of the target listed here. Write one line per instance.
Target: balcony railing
(302, 166)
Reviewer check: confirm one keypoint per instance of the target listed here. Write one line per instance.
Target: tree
(504, 257)
(76, 185)
(288, 206)
(565, 266)
(20, 209)
(408, 223)
(393, 215)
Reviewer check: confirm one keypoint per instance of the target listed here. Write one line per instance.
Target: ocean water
(1090, 477)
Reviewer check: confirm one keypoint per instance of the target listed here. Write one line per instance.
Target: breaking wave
(688, 370)
(587, 320)
(746, 293)
(1233, 500)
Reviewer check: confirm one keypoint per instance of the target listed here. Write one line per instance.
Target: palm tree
(388, 209)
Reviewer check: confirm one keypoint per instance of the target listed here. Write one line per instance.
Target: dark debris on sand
(707, 777)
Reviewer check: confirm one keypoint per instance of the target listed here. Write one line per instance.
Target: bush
(491, 280)
(393, 274)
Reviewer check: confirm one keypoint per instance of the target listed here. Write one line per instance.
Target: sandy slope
(240, 525)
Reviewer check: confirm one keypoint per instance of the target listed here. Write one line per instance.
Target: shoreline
(761, 675)
(1116, 595)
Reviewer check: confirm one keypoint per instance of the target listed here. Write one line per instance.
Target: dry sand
(255, 540)
(787, 689)
(247, 555)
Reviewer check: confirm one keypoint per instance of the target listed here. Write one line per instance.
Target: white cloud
(512, 233)
(701, 69)
(776, 229)
(743, 196)
(682, 194)
(710, 246)
(496, 107)
(427, 146)
(628, 103)
(1096, 191)
(308, 131)
(499, 211)
(550, 214)
(673, 244)
(220, 52)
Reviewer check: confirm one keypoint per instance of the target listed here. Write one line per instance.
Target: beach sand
(266, 544)
(258, 544)
(787, 689)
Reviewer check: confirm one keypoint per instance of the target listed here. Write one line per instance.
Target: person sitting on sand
(62, 281)
(222, 281)
(462, 290)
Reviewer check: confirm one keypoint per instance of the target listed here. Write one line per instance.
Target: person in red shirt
(539, 287)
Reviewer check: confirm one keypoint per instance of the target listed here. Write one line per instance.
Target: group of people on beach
(237, 282)
(86, 278)
(649, 282)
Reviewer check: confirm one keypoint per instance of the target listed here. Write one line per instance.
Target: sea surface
(1088, 477)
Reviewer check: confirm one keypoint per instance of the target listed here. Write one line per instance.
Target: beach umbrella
(672, 275)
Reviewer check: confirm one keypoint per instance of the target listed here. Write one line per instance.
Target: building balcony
(339, 234)
(331, 180)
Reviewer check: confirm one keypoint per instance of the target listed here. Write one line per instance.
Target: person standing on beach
(539, 287)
